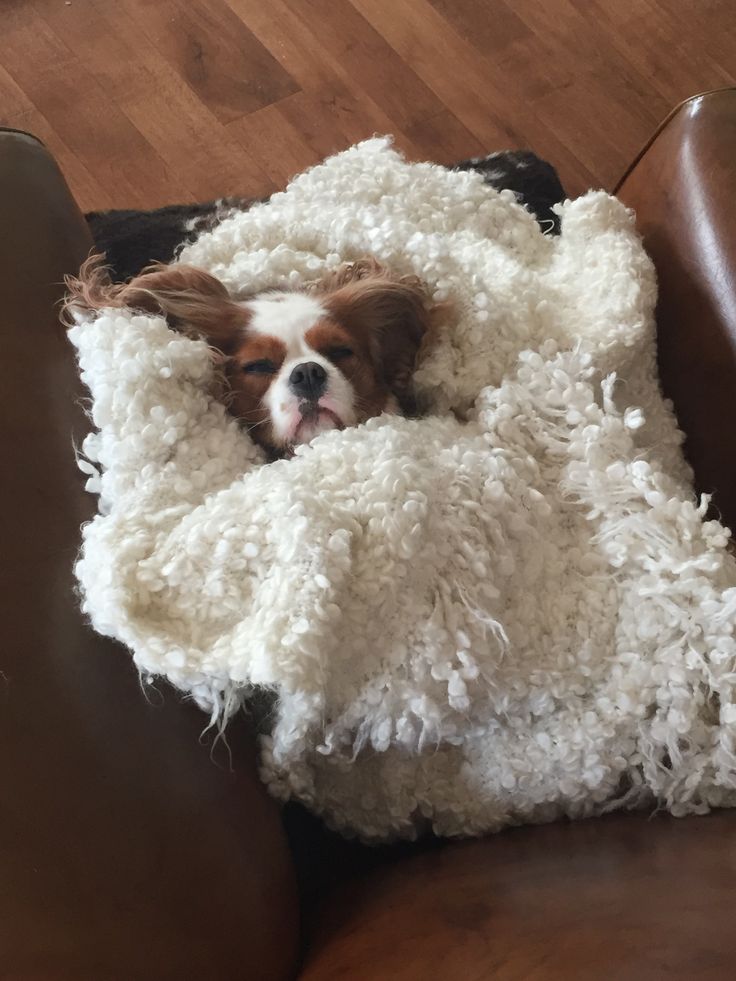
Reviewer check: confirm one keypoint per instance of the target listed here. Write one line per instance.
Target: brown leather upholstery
(125, 851)
(683, 187)
(612, 898)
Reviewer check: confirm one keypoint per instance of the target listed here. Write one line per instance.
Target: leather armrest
(126, 851)
(683, 188)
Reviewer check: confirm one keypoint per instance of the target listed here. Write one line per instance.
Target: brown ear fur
(396, 313)
(190, 299)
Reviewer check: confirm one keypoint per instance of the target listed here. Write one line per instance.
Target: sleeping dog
(296, 363)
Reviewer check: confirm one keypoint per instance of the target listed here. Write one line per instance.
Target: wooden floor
(147, 102)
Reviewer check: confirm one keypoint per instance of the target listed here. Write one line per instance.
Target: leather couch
(131, 849)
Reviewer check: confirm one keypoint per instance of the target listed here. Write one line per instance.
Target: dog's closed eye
(262, 367)
(339, 353)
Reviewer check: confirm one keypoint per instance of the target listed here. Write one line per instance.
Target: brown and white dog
(296, 362)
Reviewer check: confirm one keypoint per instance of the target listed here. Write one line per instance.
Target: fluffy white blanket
(507, 610)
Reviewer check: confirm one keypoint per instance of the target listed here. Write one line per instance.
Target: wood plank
(488, 27)
(602, 73)
(208, 161)
(215, 54)
(274, 144)
(13, 100)
(480, 97)
(91, 125)
(369, 61)
(150, 101)
(297, 45)
(420, 35)
(443, 139)
(288, 40)
(675, 58)
(330, 95)
(593, 62)
(317, 122)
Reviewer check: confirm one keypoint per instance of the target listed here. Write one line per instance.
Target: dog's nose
(308, 380)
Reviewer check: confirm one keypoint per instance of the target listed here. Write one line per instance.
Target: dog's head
(297, 362)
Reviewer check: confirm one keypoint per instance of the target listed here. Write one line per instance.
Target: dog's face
(297, 371)
(297, 363)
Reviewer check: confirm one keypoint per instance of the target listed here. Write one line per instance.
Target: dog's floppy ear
(191, 300)
(393, 312)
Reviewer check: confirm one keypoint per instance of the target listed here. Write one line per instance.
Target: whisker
(250, 412)
(255, 425)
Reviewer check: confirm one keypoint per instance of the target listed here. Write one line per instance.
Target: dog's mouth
(315, 419)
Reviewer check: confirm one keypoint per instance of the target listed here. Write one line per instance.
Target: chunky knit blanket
(509, 609)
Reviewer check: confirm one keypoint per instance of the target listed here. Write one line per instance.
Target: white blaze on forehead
(287, 316)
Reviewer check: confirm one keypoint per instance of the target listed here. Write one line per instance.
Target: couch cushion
(621, 897)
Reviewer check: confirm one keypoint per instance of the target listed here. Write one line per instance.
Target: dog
(296, 363)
